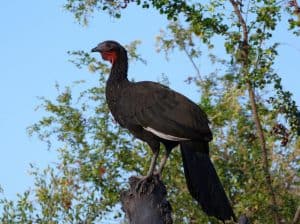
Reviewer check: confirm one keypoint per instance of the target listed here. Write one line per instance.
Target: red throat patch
(109, 56)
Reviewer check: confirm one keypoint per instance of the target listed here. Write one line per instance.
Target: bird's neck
(119, 69)
(117, 80)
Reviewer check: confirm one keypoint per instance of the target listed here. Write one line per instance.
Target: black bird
(156, 114)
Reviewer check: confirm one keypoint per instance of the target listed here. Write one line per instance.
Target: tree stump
(243, 220)
(146, 203)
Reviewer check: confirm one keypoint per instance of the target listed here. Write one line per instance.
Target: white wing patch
(165, 136)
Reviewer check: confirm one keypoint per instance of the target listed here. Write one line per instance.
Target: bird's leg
(163, 162)
(142, 181)
(152, 164)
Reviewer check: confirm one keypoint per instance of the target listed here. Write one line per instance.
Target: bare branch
(193, 62)
(296, 218)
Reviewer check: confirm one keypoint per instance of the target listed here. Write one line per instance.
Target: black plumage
(156, 114)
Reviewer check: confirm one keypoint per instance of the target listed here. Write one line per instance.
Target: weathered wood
(243, 220)
(146, 203)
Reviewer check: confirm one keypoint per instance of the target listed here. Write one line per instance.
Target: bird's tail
(203, 181)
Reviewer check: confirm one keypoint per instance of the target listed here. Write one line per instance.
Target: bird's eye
(110, 47)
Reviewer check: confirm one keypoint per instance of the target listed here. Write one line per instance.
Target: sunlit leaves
(83, 9)
(294, 9)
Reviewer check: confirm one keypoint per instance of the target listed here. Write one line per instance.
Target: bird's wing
(164, 112)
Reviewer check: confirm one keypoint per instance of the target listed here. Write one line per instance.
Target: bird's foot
(146, 184)
(143, 184)
(158, 174)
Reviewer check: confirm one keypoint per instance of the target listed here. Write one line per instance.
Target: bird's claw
(158, 173)
(142, 184)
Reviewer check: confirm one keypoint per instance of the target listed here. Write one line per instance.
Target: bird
(156, 114)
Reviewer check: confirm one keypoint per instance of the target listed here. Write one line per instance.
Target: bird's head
(109, 50)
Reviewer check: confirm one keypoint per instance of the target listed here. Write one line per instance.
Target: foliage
(96, 156)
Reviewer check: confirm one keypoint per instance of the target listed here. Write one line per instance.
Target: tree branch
(256, 118)
(297, 216)
(148, 204)
(193, 62)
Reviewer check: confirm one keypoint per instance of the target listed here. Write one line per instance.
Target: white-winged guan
(156, 114)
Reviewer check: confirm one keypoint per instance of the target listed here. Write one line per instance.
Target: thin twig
(193, 63)
(296, 218)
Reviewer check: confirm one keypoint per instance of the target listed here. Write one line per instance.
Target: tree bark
(243, 220)
(146, 203)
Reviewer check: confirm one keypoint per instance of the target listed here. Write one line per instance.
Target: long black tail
(203, 181)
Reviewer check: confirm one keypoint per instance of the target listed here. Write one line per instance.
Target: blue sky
(35, 37)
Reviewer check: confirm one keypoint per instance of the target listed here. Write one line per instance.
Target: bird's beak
(95, 49)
